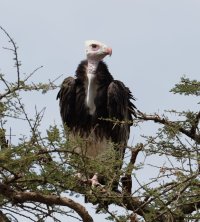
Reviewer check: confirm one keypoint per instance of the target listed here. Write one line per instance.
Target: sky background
(154, 43)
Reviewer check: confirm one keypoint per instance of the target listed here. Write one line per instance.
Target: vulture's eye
(94, 46)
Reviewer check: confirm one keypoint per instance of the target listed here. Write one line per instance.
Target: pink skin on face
(109, 51)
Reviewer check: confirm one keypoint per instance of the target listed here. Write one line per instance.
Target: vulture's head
(96, 50)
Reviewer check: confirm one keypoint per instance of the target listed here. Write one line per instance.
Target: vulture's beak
(109, 51)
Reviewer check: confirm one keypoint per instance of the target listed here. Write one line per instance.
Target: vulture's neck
(91, 85)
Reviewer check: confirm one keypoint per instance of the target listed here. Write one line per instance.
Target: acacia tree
(37, 172)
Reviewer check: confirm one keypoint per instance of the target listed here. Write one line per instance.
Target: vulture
(96, 107)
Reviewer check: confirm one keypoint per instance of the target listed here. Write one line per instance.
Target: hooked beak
(109, 51)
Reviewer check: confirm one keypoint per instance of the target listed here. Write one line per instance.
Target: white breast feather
(91, 93)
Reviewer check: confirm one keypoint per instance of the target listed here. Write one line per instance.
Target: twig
(32, 73)
(17, 64)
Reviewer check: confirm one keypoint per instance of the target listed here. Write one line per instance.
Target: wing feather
(120, 107)
(67, 96)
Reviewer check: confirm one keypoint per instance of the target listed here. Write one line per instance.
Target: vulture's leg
(95, 182)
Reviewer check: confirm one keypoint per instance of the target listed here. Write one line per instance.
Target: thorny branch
(14, 50)
(192, 133)
(21, 84)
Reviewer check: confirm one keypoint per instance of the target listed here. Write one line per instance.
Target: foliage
(187, 87)
(39, 172)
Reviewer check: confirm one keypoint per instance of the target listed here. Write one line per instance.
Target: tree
(37, 172)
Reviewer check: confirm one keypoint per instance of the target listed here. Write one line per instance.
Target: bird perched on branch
(96, 107)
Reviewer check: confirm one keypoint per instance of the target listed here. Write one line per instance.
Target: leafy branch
(38, 173)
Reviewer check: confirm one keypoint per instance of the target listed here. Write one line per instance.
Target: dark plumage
(113, 102)
(92, 102)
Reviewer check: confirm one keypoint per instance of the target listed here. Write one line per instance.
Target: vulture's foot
(95, 182)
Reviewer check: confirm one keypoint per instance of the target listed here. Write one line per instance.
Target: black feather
(113, 101)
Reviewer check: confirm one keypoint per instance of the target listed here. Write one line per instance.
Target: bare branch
(32, 73)
(17, 62)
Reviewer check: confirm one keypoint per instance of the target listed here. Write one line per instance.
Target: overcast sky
(154, 43)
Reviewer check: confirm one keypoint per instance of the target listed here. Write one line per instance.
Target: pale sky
(154, 43)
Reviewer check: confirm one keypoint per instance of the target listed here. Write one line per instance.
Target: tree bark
(22, 197)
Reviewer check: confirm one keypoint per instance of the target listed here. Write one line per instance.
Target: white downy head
(96, 50)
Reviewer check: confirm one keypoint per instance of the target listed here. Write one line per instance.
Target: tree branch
(127, 179)
(21, 197)
(164, 121)
(3, 217)
(17, 62)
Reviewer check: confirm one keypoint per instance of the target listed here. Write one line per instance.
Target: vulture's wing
(67, 96)
(120, 108)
